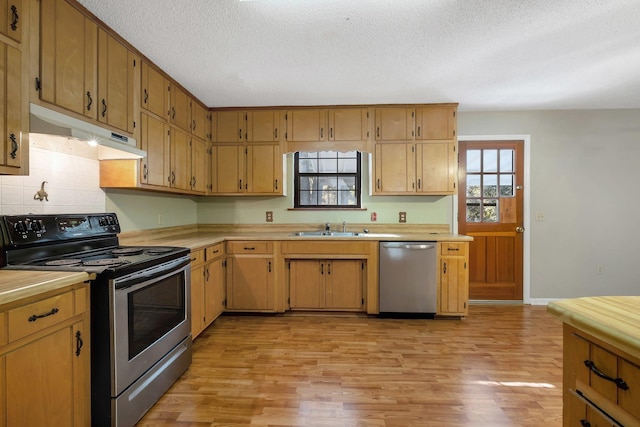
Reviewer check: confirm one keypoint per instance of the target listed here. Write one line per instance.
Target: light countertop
(614, 320)
(20, 284)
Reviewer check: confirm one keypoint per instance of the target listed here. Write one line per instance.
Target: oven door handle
(147, 274)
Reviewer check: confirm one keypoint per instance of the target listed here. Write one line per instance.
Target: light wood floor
(502, 366)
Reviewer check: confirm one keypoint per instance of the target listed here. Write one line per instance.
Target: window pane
(490, 161)
(473, 210)
(490, 186)
(473, 185)
(347, 183)
(506, 185)
(328, 183)
(351, 154)
(328, 197)
(473, 160)
(506, 160)
(308, 165)
(328, 165)
(347, 198)
(348, 165)
(490, 210)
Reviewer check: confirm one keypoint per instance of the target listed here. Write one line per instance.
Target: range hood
(110, 145)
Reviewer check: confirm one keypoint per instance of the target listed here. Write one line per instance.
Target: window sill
(326, 209)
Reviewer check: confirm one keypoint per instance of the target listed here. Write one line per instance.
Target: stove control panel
(23, 229)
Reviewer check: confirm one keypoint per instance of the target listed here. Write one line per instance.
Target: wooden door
(452, 295)
(155, 93)
(154, 140)
(436, 123)
(306, 125)
(436, 167)
(180, 113)
(180, 176)
(200, 123)
(394, 168)
(11, 101)
(264, 169)
(262, 126)
(490, 208)
(215, 289)
(12, 19)
(250, 283)
(227, 169)
(306, 280)
(395, 124)
(198, 165)
(115, 82)
(344, 284)
(229, 126)
(348, 124)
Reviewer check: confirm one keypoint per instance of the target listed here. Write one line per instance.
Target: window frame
(296, 182)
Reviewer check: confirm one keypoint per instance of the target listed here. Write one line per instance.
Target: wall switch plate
(403, 217)
(269, 216)
(539, 216)
(374, 217)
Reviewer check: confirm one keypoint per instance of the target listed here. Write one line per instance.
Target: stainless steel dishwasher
(408, 279)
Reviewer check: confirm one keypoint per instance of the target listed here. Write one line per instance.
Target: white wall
(585, 170)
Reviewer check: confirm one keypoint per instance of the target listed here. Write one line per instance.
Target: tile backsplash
(71, 177)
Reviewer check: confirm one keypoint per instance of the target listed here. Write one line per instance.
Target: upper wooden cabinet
(116, 66)
(180, 110)
(13, 117)
(200, 121)
(395, 124)
(12, 19)
(435, 122)
(68, 75)
(348, 124)
(154, 139)
(246, 126)
(154, 91)
(306, 125)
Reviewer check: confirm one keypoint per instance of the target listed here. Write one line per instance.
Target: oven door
(151, 314)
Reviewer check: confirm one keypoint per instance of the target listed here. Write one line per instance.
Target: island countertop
(612, 319)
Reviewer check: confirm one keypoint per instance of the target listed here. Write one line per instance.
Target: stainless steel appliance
(140, 305)
(408, 285)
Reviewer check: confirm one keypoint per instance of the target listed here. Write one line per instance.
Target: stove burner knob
(37, 226)
(20, 227)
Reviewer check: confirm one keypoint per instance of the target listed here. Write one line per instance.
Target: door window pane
(473, 185)
(473, 210)
(490, 186)
(473, 160)
(506, 160)
(490, 161)
(490, 210)
(506, 185)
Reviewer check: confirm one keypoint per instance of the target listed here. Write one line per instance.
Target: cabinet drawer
(39, 315)
(197, 257)
(215, 251)
(450, 248)
(326, 248)
(249, 247)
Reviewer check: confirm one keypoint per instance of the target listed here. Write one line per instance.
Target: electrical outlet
(269, 216)
(374, 217)
(403, 217)
(159, 218)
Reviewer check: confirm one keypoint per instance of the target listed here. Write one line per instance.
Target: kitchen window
(327, 179)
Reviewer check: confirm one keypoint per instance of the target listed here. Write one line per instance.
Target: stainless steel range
(140, 305)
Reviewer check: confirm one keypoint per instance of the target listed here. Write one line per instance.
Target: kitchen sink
(325, 234)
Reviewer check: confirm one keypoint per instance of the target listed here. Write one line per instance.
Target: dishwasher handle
(408, 245)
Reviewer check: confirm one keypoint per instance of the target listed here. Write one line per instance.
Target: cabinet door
(394, 168)
(47, 379)
(154, 139)
(306, 125)
(344, 284)
(11, 101)
(436, 166)
(436, 123)
(262, 126)
(394, 124)
(307, 284)
(198, 319)
(348, 124)
(155, 91)
(250, 283)
(229, 126)
(227, 169)
(11, 19)
(68, 58)
(115, 83)
(214, 290)
(180, 176)
(453, 294)
(200, 123)
(264, 169)
(180, 113)
(198, 165)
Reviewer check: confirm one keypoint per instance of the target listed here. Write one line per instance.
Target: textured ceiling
(484, 54)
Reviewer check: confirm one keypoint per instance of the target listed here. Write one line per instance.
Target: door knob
(519, 229)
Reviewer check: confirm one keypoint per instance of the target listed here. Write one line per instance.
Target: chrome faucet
(327, 226)
(344, 226)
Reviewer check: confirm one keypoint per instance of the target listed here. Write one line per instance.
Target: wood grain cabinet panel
(154, 96)
(180, 110)
(12, 19)
(436, 122)
(453, 279)
(12, 120)
(250, 276)
(154, 139)
(394, 124)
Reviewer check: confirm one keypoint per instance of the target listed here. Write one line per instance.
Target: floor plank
(501, 366)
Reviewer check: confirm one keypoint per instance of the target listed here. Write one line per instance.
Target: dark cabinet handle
(321, 268)
(275, 133)
(89, 101)
(240, 185)
(145, 171)
(104, 107)
(585, 423)
(269, 266)
(146, 96)
(619, 382)
(418, 130)
(35, 317)
(276, 184)
(330, 132)
(329, 268)
(79, 342)
(249, 248)
(173, 113)
(14, 17)
(453, 249)
(419, 184)
(321, 133)
(194, 125)
(173, 177)
(378, 183)
(38, 84)
(445, 268)
(239, 133)
(378, 132)
(14, 146)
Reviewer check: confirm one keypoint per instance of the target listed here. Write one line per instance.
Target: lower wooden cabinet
(453, 279)
(207, 287)
(326, 284)
(250, 276)
(601, 383)
(45, 361)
